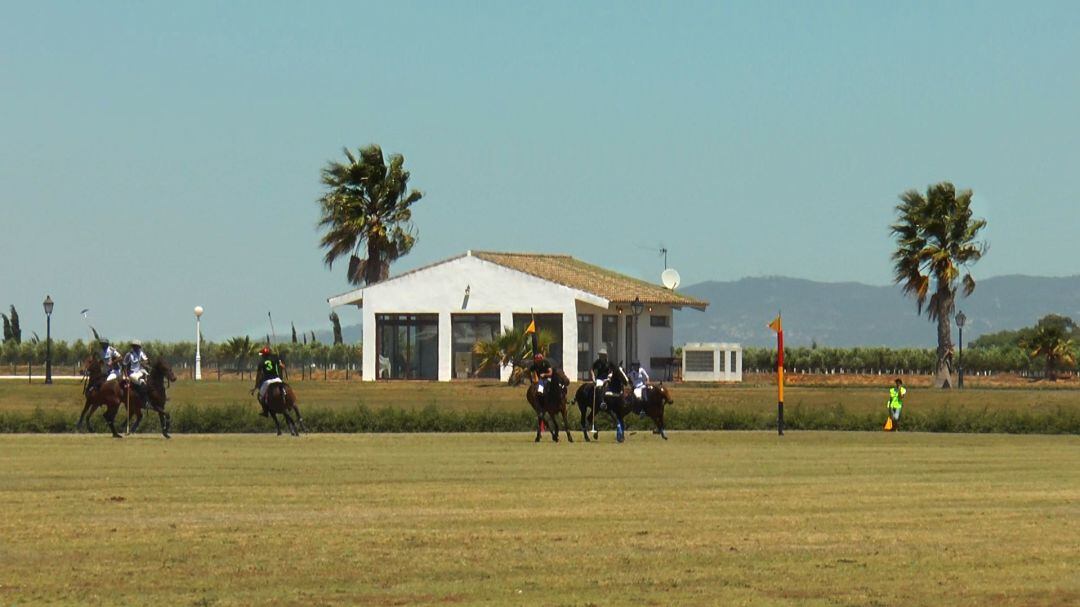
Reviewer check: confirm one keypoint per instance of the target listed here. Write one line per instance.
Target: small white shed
(712, 362)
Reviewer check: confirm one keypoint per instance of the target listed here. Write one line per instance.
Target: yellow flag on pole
(531, 328)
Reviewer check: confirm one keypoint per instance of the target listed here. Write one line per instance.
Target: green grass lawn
(706, 518)
(17, 396)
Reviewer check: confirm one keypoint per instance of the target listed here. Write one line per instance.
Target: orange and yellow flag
(776, 325)
(531, 328)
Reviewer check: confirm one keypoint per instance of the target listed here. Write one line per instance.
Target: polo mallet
(272, 331)
(594, 389)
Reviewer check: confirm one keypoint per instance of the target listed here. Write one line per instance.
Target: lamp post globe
(961, 318)
(198, 343)
(48, 306)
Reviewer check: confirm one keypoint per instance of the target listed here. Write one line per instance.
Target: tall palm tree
(936, 244)
(1051, 343)
(367, 203)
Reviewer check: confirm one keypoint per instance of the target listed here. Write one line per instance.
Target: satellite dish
(670, 278)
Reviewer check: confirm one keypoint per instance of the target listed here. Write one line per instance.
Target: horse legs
(554, 428)
(586, 417)
(539, 425)
(82, 416)
(659, 419)
(290, 423)
(277, 422)
(566, 424)
(165, 421)
(299, 418)
(110, 417)
(138, 420)
(620, 428)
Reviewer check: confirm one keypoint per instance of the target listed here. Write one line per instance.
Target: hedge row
(242, 418)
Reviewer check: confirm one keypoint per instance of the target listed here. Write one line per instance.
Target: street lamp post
(637, 308)
(960, 320)
(48, 305)
(198, 343)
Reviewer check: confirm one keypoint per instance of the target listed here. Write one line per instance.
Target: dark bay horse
(99, 393)
(618, 403)
(280, 399)
(551, 406)
(160, 373)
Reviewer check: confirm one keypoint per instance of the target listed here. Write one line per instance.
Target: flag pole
(778, 326)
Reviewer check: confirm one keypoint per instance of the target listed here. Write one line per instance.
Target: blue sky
(154, 156)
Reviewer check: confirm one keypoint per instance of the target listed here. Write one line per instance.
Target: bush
(234, 418)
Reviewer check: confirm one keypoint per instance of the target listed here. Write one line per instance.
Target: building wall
(492, 289)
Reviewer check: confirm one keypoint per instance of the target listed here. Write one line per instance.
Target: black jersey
(601, 368)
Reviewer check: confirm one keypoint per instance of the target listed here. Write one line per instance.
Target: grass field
(706, 518)
(17, 396)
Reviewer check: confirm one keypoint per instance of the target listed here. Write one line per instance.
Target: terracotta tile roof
(576, 274)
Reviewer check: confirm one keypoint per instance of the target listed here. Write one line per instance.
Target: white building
(423, 324)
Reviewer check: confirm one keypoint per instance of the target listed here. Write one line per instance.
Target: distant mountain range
(843, 314)
(853, 314)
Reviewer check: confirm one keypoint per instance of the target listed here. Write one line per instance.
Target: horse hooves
(596, 434)
(117, 436)
(166, 436)
(536, 440)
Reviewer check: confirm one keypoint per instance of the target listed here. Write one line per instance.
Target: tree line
(236, 354)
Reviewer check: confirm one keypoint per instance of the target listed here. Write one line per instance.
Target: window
(585, 354)
(546, 322)
(407, 346)
(659, 321)
(734, 354)
(699, 361)
(467, 330)
(609, 336)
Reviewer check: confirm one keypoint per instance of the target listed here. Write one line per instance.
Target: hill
(855, 314)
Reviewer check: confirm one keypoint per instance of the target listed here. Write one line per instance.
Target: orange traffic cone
(888, 424)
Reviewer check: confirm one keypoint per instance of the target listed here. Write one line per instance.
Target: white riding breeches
(266, 386)
(114, 374)
(138, 377)
(639, 393)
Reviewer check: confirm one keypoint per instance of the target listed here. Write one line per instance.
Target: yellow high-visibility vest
(896, 397)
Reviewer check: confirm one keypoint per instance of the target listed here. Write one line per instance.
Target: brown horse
(99, 393)
(619, 404)
(280, 398)
(557, 388)
(160, 373)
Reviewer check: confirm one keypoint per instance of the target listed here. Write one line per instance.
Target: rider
(639, 380)
(133, 368)
(111, 359)
(270, 370)
(542, 372)
(601, 369)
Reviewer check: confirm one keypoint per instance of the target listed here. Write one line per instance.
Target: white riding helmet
(136, 343)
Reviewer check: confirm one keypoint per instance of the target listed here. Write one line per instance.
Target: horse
(280, 398)
(559, 383)
(98, 393)
(618, 403)
(160, 372)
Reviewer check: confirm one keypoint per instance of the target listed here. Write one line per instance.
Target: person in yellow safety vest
(896, 402)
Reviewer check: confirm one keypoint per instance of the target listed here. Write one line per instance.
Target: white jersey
(134, 360)
(109, 356)
(639, 378)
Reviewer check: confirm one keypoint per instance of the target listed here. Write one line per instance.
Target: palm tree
(936, 243)
(367, 203)
(239, 350)
(512, 347)
(1050, 342)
